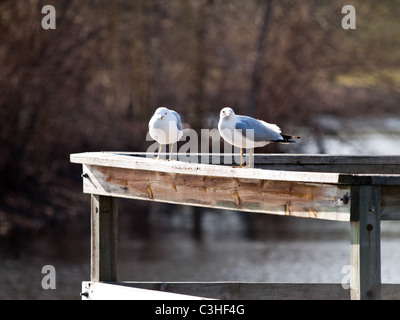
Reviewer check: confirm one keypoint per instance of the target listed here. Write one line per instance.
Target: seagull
(165, 126)
(246, 132)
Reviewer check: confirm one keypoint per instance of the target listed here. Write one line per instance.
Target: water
(280, 249)
(373, 136)
(162, 243)
(226, 252)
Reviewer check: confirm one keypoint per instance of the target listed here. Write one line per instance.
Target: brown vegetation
(93, 83)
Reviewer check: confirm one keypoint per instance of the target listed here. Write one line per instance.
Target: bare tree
(259, 64)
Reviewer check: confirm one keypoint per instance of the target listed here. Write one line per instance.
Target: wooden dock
(362, 190)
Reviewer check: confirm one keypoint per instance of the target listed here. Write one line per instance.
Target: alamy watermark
(348, 271)
(196, 149)
(49, 20)
(349, 20)
(49, 280)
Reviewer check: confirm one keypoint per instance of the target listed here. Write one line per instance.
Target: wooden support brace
(104, 224)
(365, 257)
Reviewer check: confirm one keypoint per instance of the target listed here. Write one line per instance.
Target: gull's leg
(241, 159)
(250, 155)
(171, 147)
(159, 151)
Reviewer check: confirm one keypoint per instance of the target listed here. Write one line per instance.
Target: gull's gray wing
(261, 132)
(178, 119)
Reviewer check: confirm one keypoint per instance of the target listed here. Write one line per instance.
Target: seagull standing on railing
(165, 126)
(246, 132)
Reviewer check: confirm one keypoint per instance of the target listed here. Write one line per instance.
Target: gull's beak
(160, 117)
(228, 114)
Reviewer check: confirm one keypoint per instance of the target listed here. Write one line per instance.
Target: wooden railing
(362, 190)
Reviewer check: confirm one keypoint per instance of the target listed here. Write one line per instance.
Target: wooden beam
(311, 200)
(365, 254)
(286, 158)
(224, 290)
(104, 225)
(139, 163)
(357, 177)
(250, 290)
(390, 206)
(112, 291)
(353, 164)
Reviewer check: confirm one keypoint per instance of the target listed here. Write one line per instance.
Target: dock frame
(362, 190)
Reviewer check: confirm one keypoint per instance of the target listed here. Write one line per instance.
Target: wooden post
(365, 257)
(104, 224)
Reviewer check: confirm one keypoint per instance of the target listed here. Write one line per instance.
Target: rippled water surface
(233, 246)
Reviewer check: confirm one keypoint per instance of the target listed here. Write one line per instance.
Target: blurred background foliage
(93, 83)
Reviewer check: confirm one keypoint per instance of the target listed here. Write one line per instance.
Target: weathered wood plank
(390, 191)
(250, 290)
(339, 168)
(112, 291)
(104, 225)
(285, 158)
(139, 163)
(142, 163)
(353, 164)
(311, 200)
(226, 291)
(365, 254)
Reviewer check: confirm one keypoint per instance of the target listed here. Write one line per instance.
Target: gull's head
(226, 113)
(162, 112)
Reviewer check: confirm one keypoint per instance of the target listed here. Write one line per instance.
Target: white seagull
(246, 132)
(165, 126)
